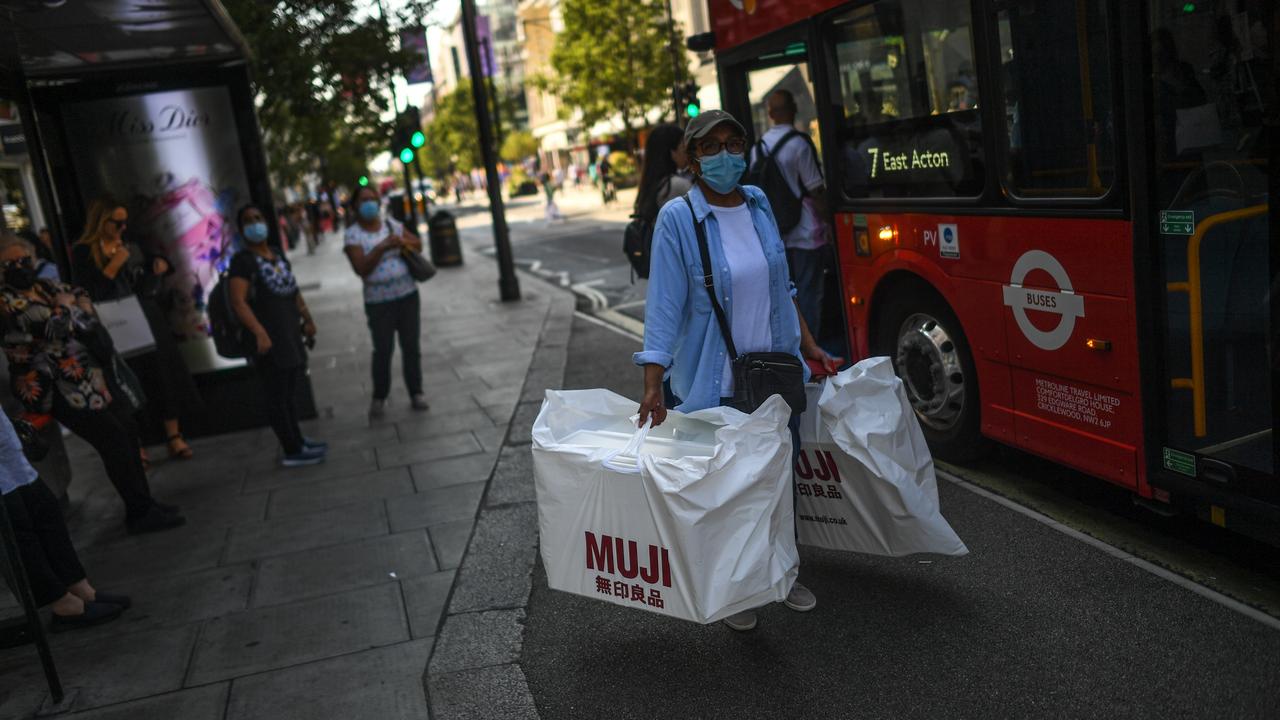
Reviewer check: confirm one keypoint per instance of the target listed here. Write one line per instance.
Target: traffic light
(689, 95)
(364, 181)
(418, 139)
(407, 136)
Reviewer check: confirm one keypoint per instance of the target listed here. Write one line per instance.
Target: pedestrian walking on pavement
(374, 245)
(49, 559)
(662, 174)
(110, 268)
(268, 303)
(748, 263)
(44, 327)
(809, 252)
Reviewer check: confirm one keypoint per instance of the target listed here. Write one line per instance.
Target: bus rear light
(855, 300)
(1098, 345)
(888, 233)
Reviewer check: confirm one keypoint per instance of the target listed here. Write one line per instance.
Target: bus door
(785, 66)
(1214, 90)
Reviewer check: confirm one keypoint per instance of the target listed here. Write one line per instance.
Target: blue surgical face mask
(369, 210)
(722, 170)
(256, 232)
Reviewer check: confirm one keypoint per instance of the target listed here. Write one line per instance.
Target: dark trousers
(808, 272)
(386, 320)
(114, 435)
(279, 389)
(43, 542)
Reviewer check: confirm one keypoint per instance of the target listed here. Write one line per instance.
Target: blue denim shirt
(15, 471)
(680, 330)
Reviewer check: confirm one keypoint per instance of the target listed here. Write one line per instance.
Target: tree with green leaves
(614, 57)
(321, 73)
(518, 146)
(451, 134)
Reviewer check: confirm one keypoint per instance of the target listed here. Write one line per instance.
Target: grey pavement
(313, 592)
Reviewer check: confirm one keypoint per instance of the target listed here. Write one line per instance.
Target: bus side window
(910, 95)
(1059, 124)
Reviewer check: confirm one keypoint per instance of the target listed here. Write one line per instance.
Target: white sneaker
(742, 622)
(377, 408)
(800, 599)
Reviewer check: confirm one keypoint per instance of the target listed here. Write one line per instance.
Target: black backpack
(637, 240)
(230, 338)
(768, 176)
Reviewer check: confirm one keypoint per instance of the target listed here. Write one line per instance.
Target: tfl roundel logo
(748, 6)
(1065, 303)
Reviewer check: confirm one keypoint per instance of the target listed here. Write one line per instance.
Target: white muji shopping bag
(692, 519)
(127, 325)
(864, 475)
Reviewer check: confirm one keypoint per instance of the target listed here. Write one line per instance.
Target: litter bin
(446, 249)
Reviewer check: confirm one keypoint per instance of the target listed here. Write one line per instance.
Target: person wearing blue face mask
(682, 339)
(266, 300)
(374, 245)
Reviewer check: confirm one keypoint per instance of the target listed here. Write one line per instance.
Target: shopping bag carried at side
(693, 519)
(864, 476)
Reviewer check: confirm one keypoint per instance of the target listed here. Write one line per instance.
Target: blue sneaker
(311, 444)
(306, 456)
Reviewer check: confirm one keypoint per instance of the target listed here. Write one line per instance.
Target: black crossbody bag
(757, 376)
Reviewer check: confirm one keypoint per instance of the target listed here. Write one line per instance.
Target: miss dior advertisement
(174, 160)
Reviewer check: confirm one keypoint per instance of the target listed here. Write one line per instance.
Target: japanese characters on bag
(601, 555)
(823, 469)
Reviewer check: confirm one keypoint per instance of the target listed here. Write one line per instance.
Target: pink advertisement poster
(174, 160)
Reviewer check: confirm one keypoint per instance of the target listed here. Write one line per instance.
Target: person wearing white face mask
(267, 302)
(391, 305)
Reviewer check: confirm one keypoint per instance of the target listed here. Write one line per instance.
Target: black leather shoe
(171, 509)
(155, 520)
(124, 601)
(95, 613)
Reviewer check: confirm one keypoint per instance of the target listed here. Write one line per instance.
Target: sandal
(180, 452)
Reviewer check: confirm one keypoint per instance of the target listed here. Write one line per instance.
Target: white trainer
(800, 599)
(742, 622)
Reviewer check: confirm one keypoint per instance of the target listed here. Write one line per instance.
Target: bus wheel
(931, 355)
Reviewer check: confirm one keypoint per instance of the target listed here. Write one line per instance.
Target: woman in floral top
(53, 372)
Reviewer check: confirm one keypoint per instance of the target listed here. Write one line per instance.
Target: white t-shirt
(799, 165)
(390, 280)
(749, 278)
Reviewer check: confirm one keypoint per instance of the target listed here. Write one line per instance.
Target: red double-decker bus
(1053, 215)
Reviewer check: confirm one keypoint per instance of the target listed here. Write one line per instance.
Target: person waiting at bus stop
(808, 244)
(49, 560)
(749, 267)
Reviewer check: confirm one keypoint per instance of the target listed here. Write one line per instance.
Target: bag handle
(618, 461)
(708, 281)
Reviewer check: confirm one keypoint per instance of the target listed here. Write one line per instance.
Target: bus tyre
(922, 336)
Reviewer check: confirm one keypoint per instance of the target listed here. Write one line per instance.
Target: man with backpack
(784, 164)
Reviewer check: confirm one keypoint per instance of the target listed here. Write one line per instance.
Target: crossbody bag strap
(708, 280)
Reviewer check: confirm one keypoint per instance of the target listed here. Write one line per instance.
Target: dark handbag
(124, 384)
(757, 376)
(420, 268)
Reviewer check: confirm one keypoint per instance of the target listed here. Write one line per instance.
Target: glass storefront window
(13, 201)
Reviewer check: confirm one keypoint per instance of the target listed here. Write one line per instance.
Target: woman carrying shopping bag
(697, 337)
(374, 245)
(42, 326)
(111, 269)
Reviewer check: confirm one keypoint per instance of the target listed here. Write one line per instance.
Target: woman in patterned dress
(52, 372)
(266, 299)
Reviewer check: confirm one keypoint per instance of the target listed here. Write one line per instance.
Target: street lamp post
(508, 284)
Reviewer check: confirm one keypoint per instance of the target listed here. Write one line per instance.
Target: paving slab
(323, 571)
(432, 507)
(379, 684)
(173, 552)
(424, 599)
(452, 471)
(450, 541)
(203, 703)
(217, 506)
(326, 494)
(271, 638)
(111, 670)
(435, 424)
(480, 639)
(337, 465)
(491, 692)
(491, 439)
(423, 450)
(328, 527)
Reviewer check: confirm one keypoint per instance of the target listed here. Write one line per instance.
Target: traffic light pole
(412, 214)
(508, 284)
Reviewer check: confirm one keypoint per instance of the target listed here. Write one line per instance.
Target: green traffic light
(364, 181)
(692, 110)
(418, 139)
(406, 155)
(1189, 7)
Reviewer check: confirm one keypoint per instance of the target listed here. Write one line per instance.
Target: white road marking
(1113, 551)
(610, 325)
